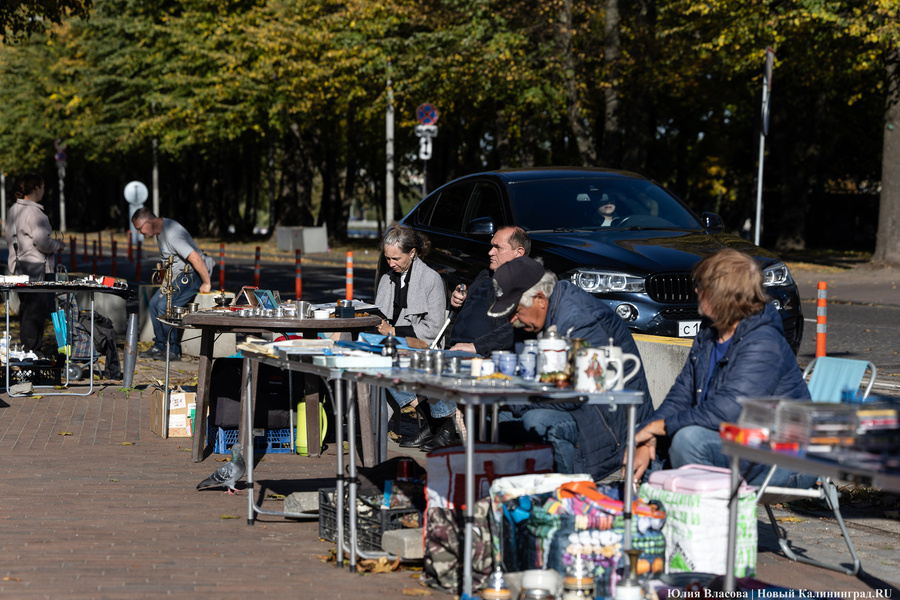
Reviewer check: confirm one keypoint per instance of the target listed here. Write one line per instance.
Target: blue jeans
(554, 427)
(698, 445)
(157, 307)
(439, 408)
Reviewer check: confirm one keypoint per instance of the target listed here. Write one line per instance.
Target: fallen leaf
(380, 565)
(790, 520)
(112, 480)
(229, 517)
(127, 444)
(8, 578)
(66, 433)
(416, 592)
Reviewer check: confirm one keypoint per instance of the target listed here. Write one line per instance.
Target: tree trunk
(587, 152)
(887, 245)
(612, 50)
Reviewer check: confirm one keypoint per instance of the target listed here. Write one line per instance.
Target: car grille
(680, 314)
(671, 288)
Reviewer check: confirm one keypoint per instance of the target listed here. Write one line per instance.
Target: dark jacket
(759, 363)
(473, 325)
(602, 433)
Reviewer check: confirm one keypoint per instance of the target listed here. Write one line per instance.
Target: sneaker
(153, 353)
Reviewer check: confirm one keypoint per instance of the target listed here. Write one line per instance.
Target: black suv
(636, 257)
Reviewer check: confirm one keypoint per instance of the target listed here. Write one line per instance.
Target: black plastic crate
(29, 372)
(370, 524)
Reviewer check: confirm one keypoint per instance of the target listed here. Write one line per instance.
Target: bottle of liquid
(496, 588)
(4, 349)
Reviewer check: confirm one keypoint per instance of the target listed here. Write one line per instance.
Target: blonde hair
(731, 282)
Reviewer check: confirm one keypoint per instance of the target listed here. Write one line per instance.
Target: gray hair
(545, 285)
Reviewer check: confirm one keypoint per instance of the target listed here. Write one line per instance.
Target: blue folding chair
(829, 379)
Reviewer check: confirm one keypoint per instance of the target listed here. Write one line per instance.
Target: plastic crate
(276, 441)
(371, 523)
(36, 374)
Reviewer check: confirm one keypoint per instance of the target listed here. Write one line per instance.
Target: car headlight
(777, 275)
(595, 282)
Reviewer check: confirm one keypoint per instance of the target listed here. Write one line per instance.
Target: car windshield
(595, 204)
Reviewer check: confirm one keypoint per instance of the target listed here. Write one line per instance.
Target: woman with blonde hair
(740, 351)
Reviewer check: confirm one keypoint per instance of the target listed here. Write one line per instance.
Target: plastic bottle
(4, 348)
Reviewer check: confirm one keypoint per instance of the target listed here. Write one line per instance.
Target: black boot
(426, 431)
(445, 435)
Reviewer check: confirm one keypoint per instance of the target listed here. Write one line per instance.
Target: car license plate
(688, 328)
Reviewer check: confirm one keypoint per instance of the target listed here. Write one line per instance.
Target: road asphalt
(96, 506)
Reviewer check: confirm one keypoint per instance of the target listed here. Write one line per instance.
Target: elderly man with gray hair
(585, 438)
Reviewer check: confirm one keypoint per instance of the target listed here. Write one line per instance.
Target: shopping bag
(696, 529)
(447, 469)
(444, 534)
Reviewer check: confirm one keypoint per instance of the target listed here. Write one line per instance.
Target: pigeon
(228, 474)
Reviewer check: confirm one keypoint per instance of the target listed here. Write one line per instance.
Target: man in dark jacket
(740, 351)
(474, 331)
(585, 438)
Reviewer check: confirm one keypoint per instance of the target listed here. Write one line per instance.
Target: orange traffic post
(100, 245)
(137, 265)
(821, 318)
(94, 263)
(112, 252)
(130, 251)
(85, 247)
(222, 266)
(349, 275)
(298, 276)
(256, 268)
(72, 251)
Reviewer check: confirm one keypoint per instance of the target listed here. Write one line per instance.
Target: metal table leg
(730, 554)
(470, 501)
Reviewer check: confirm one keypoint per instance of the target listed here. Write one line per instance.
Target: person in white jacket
(32, 252)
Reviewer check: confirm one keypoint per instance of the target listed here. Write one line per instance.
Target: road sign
(425, 133)
(427, 114)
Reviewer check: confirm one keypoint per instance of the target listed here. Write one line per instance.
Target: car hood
(638, 252)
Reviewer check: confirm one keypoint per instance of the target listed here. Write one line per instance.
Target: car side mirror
(480, 226)
(712, 222)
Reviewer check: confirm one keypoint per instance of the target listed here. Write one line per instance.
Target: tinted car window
(576, 202)
(486, 202)
(450, 207)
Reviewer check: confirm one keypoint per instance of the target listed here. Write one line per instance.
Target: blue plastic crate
(276, 441)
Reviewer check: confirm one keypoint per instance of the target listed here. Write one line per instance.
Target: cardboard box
(182, 404)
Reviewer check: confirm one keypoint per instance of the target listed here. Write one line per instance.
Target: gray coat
(426, 301)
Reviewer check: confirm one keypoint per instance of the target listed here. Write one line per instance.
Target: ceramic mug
(602, 369)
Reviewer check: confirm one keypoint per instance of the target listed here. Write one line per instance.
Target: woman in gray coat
(32, 250)
(413, 299)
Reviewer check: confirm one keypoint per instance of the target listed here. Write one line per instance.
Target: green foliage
(275, 108)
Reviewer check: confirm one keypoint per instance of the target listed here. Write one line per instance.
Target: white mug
(602, 369)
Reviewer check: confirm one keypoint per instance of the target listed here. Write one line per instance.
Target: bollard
(222, 266)
(100, 245)
(94, 263)
(131, 342)
(85, 248)
(137, 264)
(256, 269)
(298, 277)
(349, 275)
(130, 252)
(113, 255)
(72, 251)
(821, 318)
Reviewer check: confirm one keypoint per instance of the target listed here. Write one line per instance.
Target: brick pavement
(109, 510)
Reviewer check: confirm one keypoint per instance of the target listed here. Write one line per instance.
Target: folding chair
(830, 379)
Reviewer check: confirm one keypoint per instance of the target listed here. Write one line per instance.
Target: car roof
(543, 173)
